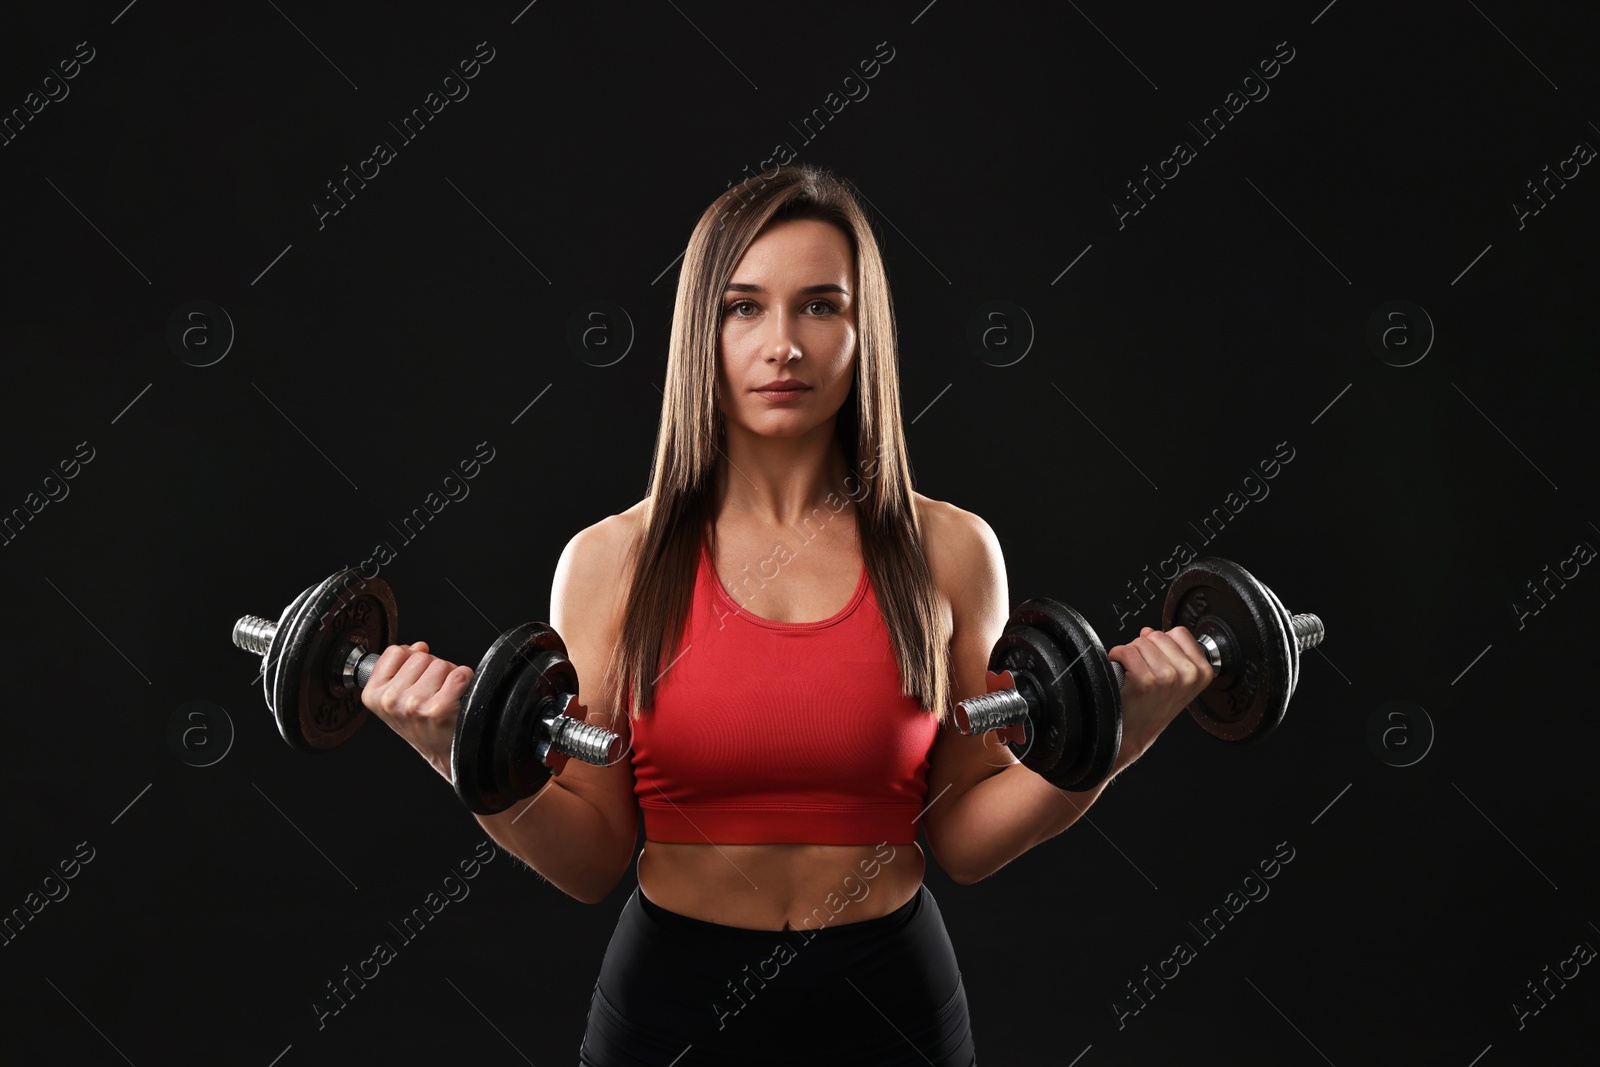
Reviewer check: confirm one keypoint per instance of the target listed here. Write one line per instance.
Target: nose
(782, 345)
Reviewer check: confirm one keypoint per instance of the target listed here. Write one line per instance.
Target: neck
(780, 480)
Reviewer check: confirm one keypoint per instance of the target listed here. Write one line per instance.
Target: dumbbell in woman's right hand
(419, 695)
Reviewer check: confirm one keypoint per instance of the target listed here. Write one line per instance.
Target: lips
(782, 385)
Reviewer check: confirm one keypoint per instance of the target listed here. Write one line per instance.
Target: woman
(779, 628)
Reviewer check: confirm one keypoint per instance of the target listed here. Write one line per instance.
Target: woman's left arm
(984, 808)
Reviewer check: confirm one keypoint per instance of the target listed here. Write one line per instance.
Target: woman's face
(789, 313)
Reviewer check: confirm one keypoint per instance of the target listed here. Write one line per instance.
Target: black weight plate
(1294, 649)
(1098, 694)
(1090, 717)
(287, 640)
(1218, 597)
(472, 748)
(274, 656)
(316, 710)
(1275, 716)
(1039, 668)
(520, 742)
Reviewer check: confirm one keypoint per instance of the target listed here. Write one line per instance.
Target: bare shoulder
(594, 560)
(586, 594)
(964, 555)
(956, 540)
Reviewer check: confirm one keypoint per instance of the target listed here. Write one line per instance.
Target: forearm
(566, 840)
(1008, 813)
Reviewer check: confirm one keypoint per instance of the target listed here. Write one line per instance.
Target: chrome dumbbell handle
(568, 736)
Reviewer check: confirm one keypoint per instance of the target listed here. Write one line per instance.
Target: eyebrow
(742, 287)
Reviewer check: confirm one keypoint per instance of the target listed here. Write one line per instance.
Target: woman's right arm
(580, 829)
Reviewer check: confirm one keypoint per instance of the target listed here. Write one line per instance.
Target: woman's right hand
(1163, 673)
(419, 696)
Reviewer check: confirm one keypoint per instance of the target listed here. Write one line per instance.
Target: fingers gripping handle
(580, 740)
(1006, 706)
(1307, 630)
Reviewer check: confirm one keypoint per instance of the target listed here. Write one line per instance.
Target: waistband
(833, 932)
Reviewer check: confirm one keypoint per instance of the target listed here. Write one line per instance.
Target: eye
(826, 304)
(735, 306)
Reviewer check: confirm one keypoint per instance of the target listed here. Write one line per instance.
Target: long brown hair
(679, 509)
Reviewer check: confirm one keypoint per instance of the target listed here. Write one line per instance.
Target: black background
(374, 353)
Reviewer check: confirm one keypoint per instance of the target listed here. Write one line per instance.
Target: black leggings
(679, 991)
